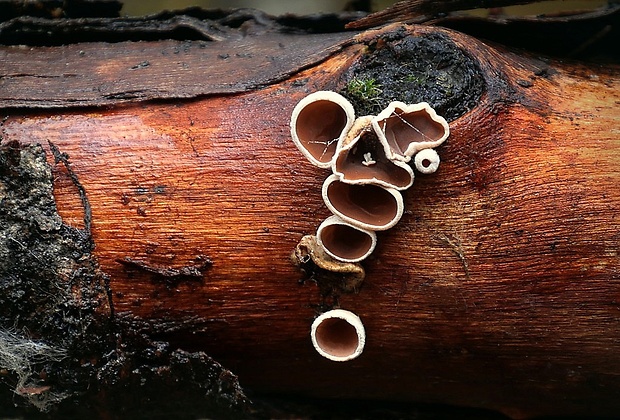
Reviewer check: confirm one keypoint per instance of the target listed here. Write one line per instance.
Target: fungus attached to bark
(338, 335)
(408, 129)
(369, 159)
(345, 242)
(426, 161)
(362, 158)
(318, 123)
(367, 206)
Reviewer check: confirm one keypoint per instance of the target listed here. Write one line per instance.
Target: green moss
(364, 90)
(412, 69)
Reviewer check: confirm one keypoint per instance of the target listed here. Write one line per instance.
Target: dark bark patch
(61, 347)
(170, 275)
(411, 69)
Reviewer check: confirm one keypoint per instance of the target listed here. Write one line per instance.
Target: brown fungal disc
(363, 160)
(338, 335)
(410, 128)
(317, 124)
(366, 206)
(345, 242)
(403, 129)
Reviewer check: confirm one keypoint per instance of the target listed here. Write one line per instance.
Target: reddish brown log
(499, 288)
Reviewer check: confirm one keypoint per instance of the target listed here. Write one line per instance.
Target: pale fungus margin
(368, 156)
(370, 161)
(345, 242)
(426, 161)
(338, 335)
(318, 123)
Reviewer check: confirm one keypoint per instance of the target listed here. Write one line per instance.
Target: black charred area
(63, 350)
(411, 69)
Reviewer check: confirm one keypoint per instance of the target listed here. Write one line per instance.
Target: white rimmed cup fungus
(318, 123)
(366, 206)
(362, 158)
(345, 242)
(426, 161)
(408, 129)
(369, 159)
(338, 335)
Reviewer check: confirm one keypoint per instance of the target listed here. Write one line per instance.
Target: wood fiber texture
(499, 288)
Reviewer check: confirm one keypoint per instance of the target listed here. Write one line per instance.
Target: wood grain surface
(499, 288)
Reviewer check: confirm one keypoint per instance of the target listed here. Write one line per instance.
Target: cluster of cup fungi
(369, 157)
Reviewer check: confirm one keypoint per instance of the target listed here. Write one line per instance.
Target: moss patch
(400, 67)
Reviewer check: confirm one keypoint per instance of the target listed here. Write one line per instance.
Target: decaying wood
(130, 71)
(498, 289)
(423, 10)
(583, 34)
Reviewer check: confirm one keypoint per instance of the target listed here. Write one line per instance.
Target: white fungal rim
(430, 156)
(398, 198)
(349, 143)
(335, 220)
(322, 95)
(413, 147)
(321, 339)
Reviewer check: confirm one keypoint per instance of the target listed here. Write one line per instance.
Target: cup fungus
(365, 206)
(369, 159)
(408, 129)
(362, 159)
(426, 161)
(338, 335)
(319, 122)
(345, 242)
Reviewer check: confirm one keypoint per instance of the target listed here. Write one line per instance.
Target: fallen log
(179, 198)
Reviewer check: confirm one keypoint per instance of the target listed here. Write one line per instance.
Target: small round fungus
(426, 161)
(338, 335)
(345, 242)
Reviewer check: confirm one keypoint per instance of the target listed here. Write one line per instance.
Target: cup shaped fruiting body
(426, 161)
(362, 158)
(408, 129)
(345, 242)
(366, 206)
(338, 335)
(318, 123)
